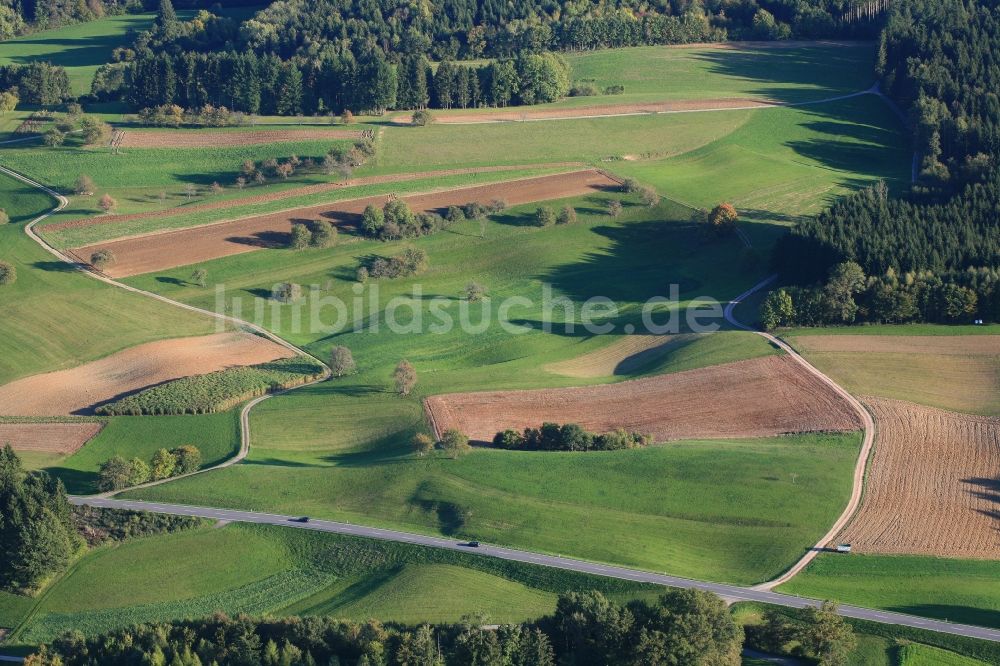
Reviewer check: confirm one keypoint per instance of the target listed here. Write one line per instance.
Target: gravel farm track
(761, 592)
(180, 247)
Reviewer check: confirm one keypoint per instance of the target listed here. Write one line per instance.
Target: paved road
(729, 592)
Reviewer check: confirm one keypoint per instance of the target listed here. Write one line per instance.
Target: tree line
(680, 627)
(117, 473)
(568, 437)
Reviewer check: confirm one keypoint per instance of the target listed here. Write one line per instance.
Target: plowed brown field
(159, 251)
(754, 398)
(183, 138)
(62, 438)
(933, 484)
(80, 389)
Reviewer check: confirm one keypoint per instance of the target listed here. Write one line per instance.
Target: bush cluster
(98, 525)
(568, 437)
(411, 261)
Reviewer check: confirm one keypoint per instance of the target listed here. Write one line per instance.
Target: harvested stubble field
(80, 389)
(159, 251)
(760, 397)
(183, 138)
(305, 190)
(965, 368)
(932, 484)
(60, 438)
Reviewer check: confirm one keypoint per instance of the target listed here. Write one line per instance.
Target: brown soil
(931, 486)
(62, 438)
(295, 192)
(753, 398)
(160, 251)
(200, 139)
(80, 389)
(619, 358)
(598, 110)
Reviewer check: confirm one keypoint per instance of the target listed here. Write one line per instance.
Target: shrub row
(215, 391)
(569, 437)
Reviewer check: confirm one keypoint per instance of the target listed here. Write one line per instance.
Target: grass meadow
(271, 570)
(55, 318)
(965, 591)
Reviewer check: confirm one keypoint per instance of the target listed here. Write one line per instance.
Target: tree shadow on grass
(76, 481)
(963, 614)
(57, 266)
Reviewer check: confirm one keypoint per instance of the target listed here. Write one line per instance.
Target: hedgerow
(215, 391)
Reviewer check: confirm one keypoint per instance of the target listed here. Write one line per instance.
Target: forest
(939, 61)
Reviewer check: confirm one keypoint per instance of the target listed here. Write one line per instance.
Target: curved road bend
(760, 593)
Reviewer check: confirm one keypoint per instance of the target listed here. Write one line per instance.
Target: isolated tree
(199, 277)
(649, 197)
(474, 292)
(347, 118)
(115, 473)
(300, 237)
(614, 208)
(4, 217)
(107, 203)
(455, 442)
(101, 259)
(362, 274)
(162, 465)
(95, 131)
(404, 377)
(8, 101)
(372, 220)
(84, 186)
(286, 292)
(825, 635)
(187, 459)
(630, 186)
(190, 190)
(421, 118)
(8, 274)
(722, 219)
(54, 138)
(422, 444)
(777, 310)
(324, 234)
(241, 182)
(216, 188)
(544, 216)
(567, 215)
(342, 362)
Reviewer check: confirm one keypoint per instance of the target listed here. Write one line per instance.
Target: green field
(55, 318)
(272, 570)
(924, 655)
(965, 591)
(215, 435)
(80, 48)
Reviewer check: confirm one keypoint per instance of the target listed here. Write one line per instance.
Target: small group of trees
(848, 296)
(117, 473)
(568, 437)
(286, 292)
(317, 233)
(37, 83)
(817, 633)
(453, 442)
(411, 261)
(342, 160)
(647, 195)
(207, 115)
(546, 217)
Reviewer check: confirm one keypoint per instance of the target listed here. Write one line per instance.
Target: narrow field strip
(179, 138)
(159, 251)
(80, 389)
(60, 438)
